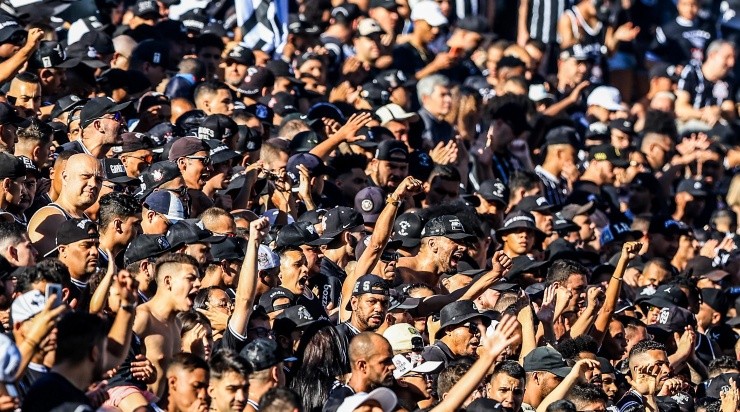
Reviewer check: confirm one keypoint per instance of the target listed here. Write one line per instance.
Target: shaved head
(81, 180)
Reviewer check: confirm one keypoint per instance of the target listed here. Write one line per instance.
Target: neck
(532, 397)
(591, 176)
(109, 243)
(79, 377)
(553, 166)
(258, 388)
(509, 252)
(22, 150)
(417, 42)
(338, 256)
(95, 148)
(71, 208)
(357, 383)
(161, 307)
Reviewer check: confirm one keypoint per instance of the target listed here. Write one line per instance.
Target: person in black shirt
(79, 361)
(436, 102)
(414, 58)
(685, 38)
(649, 368)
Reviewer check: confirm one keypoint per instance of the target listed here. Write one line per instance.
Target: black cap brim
(124, 180)
(463, 319)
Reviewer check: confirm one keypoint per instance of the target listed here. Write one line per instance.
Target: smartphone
(54, 289)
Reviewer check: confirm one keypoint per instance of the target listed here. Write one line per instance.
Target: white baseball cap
(607, 97)
(266, 258)
(385, 397)
(404, 337)
(429, 11)
(404, 366)
(538, 93)
(392, 111)
(27, 305)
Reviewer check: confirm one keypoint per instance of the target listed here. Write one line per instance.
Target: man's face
(464, 339)
(369, 310)
(390, 174)
(448, 253)
(351, 183)
(520, 241)
(221, 103)
(16, 190)
(587, 231)
(184, 284)
(84, 181)
(313, 68)
(687, 8)
(609, 385)
(221, 176)
(636, 334)
(507, 390)
(234, 73)
(548, 382)
(705, 316)
(27, 97)
(426, 32)
(229, 394)
(664, 245)
(218, 300)
(26, 253)
(135, 162)
(187, 387)
(616, 343)
(80, 257)
(441, 190)
(653, 275)
(399, 128)
(294, 271)
(576, 284)
(282, 84)
(572, 71)
(313, 256)
(543, 220)
(110, 126)
(620, 139)
(652, 358)
(606, 171)
(130, 228)
(195, 169)
(368, 48)
(201, 252)
(723, 59)
(439, 102)
(380, 366)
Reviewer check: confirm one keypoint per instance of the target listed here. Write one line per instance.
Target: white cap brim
(385, 397)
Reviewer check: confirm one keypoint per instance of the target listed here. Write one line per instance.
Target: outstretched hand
(506, 333)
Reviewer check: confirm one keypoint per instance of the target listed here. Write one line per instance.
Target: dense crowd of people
(369, 205)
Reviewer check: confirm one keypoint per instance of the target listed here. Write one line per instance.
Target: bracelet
(614, 277)
(130, 308)
(392, 200)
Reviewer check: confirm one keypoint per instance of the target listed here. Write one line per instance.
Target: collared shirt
(556, 188)
(435, 130)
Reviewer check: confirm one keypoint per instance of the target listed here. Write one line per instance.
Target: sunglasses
(116, 116)
(146, 159)
(472, 328)
(388, 257)
(205, 159)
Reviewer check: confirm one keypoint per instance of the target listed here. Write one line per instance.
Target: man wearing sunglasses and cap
(191, 156)
(101, 125)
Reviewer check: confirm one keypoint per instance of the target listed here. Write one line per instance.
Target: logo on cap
(261, 112)
(163, 243)
(455, 224)
(91, 52)
(541, 201)
(366, 205)
(697, 185)
(156, 58)
(404, 226)
(157, 175)
(117, 169)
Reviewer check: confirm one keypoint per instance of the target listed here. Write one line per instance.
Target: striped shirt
(556, 188)
(543, 19)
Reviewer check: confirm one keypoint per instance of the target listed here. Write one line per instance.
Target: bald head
(178, 106)
(81, 180)
(366, 345)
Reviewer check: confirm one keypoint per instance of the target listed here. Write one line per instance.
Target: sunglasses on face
(205, 159)
(389, 256)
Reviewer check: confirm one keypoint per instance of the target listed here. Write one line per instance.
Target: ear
(353, 302)
(45, 74)
(35, 152)
(275, 373)
(6, 184)
(62, 249)
(171, 382)
(182, 163)
(13, 252)
(94, 353)
(211, 389)
(118, 225)
(150, 214)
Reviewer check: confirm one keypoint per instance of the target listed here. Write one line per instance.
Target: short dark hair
(209, 87)
(77, 334)
(646, 346)
(561, 270)
(524, 179)
(11, 233)
(511, 368)
(571, 348)
(280, 399)
(27, 77)
(451, 374)
(201, 298)
(444, 172)
(35, 131)
(208, 40)
(586, 394)
(226, 360)
(561, 405)
(50, 269)
(117, 205)
(187, 361)
(173, 258)
(722, 364)
(189, 320)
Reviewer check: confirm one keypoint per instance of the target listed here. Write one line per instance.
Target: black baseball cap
(156, 175)
(524, 264)
(218, 127)
(261, 111)
(646, 181)
(562, 225)
(714, 387)
(229, 249)
(693, 187)
(664, 70)
(297, 234)
(261, 354)
(241, 55)
(184, 233)
(74, 230)
(145, 247)
(304, 141)
(267, 300)
(675, 319)
(618, 231)
(114, 171)
(538, 204)
(257, 78)
(448, 226)
(667, 226)
(386, 4)
(393, 151)
(219, 152)
(609, 153)
(293, 318)
(8, 27)
(407, 228)
(716, 299)
(66, 103)
(574, 52)
(456, 313)
(98, 107)
(313, 163)
(134, 141)
(9, 115)
(83, 53)
(11, 167)
(623, 125)
(145, 8)
(666, 295)
(369, 284)
(49, 54)
(279, 68)
(31, 167)
(154, 52)
(546, 358)
(339, 219)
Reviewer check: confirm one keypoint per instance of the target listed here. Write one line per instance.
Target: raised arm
(576, 373)
(247, 286)
(10, 67)
(500, 266)
(345, 133)
(378, 240)
(119, 337)
(100, 297)
(629, 252)
(504, 335)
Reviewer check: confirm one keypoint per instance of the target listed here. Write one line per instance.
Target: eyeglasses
(148, 159)
(222, 304)
(116, 116)
(388, 257)
(472, 328)
(261, 332)
(205, 159)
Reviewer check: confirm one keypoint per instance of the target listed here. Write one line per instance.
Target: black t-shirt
(702, 91)
(410, 60)
(337, 395)
(329, 282)
(230, 340)
(33, 373)
(313, 305)
(51, 391)
(681, 41)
